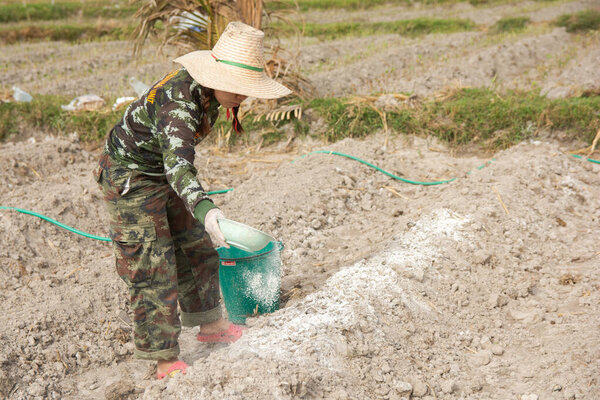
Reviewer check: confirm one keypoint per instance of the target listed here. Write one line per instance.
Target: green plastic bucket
(250, 280)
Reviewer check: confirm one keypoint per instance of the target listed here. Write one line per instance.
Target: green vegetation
(501, 121)
(47, 11)
(14, 11)
(44, 112)
(510, 24)
(70, 33)
(469, 116)
(479, 116)
(490, 2)
(409, 27)
(581, 22)
(306, 5)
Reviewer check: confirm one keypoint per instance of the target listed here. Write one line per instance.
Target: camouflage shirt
(158, 133)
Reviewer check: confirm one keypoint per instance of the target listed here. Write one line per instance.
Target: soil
(548, 58)
(479, 288)
(486, 15)
(483, 288)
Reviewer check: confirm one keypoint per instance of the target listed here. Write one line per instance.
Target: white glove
(211, 225)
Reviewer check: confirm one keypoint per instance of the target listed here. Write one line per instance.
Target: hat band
(235, 64)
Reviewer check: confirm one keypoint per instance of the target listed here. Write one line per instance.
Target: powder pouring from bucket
(250, 279)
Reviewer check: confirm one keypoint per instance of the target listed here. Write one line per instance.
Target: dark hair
(237, 126)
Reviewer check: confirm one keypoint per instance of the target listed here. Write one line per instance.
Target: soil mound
(479, 288)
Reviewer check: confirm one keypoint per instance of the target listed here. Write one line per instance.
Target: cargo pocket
(133, 244)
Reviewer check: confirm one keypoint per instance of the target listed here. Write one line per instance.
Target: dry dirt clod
(568, 279)
(481, 358)
(6, 384)
(120, 390)
(36, 389)
(497, 350)
(527, 316)
(403, 389)
(497, 300)
(448, 387)
(419, 388)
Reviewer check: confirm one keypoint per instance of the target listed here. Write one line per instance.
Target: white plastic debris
(20, 95)
(139, 87)
(87, 102)
(188, 21)
(122, 101)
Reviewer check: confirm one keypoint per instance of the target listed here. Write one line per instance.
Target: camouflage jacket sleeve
(178, 122)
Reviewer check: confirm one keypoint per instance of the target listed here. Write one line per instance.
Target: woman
(163, 225)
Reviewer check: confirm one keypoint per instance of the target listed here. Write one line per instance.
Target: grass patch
(346, 121)
(269, 131)
(44, 112)
(496, 2)
(581, 22)
(410, 27)
(480, 115)
(469, 116)
(307, 5)
(510, 24)
(69, 33)
(48, 12)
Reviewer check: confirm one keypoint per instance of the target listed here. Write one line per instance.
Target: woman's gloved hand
(211, 225)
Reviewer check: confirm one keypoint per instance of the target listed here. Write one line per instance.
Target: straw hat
(236, 64)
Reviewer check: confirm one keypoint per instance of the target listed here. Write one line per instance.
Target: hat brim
(215, 75)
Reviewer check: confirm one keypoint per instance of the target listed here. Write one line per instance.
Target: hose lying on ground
(106, 239)
(379, 169)
(77, 231)
(586, 159)
(55, 222)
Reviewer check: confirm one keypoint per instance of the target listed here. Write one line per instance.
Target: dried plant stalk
(197, 24)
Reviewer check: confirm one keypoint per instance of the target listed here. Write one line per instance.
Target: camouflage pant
(164, 256)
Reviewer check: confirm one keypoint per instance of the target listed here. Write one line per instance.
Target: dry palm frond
(280, 66)
(197, 24)
(194, 22)
(251, 12)
(280, 113)
(283, 64)
(204, 34)
(150, 13)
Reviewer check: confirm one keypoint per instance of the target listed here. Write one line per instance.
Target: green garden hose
(105, 239)
(77, 231)
(379, 169)
(55, 222)
(587, 159)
